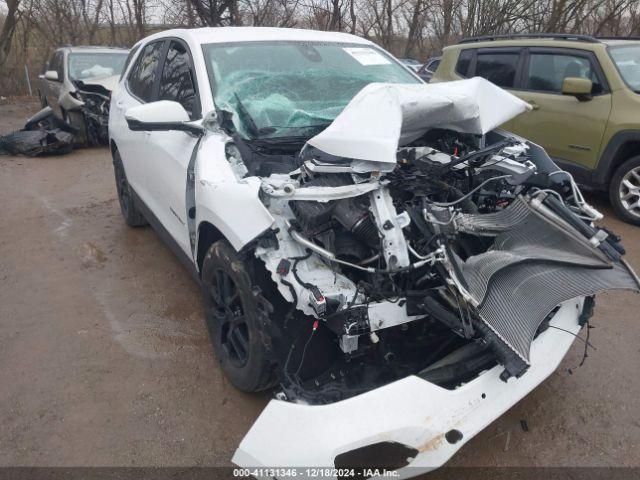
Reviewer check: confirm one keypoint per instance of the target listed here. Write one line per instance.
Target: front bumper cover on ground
(432, 422)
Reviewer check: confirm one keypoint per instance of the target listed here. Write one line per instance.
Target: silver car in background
(77, 84)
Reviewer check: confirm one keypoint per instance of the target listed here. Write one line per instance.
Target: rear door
(501, 66)
(168, 153)
(569, 129)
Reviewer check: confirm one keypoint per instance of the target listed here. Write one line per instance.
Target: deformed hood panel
(108, 83)
(383, 116)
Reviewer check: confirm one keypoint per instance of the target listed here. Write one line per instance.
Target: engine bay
(424, 268)
(420, 240)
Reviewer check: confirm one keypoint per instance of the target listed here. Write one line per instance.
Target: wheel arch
(208, 234)
(622, 146)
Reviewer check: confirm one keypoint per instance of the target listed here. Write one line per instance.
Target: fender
(607, 164)
(229, 203)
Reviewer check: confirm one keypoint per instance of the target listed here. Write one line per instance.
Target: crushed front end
(95, 98)
(433, 266)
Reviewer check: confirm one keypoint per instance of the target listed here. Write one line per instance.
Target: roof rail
(91, 47)
(618, 38)
(515, 36)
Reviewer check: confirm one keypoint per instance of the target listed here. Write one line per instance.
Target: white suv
(401, 269)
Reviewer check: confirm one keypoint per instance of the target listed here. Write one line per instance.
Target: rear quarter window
(433, 66)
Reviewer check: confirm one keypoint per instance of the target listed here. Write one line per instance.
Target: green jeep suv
(585, 94)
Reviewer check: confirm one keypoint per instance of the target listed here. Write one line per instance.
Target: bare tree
(275, 13)
(411, 28)
(8, 29)
(216, 13)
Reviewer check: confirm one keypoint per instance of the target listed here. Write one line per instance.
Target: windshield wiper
(251, 124)
(281, 141)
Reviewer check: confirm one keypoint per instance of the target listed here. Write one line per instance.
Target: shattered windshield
(88, 65)
(278, 89)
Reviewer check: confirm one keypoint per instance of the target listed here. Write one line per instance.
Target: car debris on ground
(43, 134)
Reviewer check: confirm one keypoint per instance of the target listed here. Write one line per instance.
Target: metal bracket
(390, 225)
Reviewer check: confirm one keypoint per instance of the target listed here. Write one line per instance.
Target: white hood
(383, 116)
(109, 82)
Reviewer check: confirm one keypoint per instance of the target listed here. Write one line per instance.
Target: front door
(169, 153)
(569, 129)
(140, 87)
(53, 87)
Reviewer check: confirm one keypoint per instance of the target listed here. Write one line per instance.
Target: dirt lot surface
(104, 357)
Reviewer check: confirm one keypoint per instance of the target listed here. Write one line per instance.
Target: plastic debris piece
(43, 134)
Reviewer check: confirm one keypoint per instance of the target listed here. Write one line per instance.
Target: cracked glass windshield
(88, 65)
(278, 89)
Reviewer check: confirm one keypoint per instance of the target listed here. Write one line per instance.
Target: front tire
(624, 191)
(130, 212)
(238, 319)
(76, 120)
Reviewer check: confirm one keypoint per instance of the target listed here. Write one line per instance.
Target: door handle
(534, 105)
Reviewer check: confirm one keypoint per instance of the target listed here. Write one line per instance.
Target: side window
(463, 63)
(143, 74)
(433, 66)
(547, 71)
(176, 82)
(129, 57)
(499, 68)
(56, 64)
(49, 64)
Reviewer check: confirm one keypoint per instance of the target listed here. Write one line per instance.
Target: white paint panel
(383, 116)
(231, 205)
(411, 411)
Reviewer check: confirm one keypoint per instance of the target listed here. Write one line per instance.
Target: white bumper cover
(410, 411)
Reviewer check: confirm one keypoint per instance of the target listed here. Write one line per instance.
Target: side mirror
(163, 115)
(579, 87)
(51, 75)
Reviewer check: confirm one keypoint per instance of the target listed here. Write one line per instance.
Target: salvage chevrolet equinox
(398, 269)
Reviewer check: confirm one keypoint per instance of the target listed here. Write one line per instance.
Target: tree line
(30, 30)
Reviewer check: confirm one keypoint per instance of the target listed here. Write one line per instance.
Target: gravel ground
(105, 361)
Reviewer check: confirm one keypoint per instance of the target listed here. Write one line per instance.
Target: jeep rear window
(464, 60)
(498, 68)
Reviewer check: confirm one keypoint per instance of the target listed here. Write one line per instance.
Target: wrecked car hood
(98, 83)
(383, 116)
